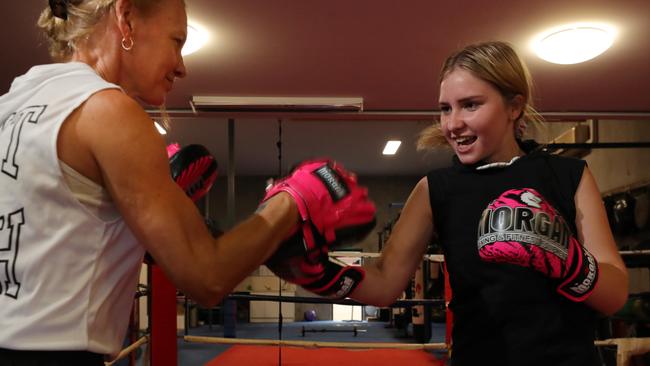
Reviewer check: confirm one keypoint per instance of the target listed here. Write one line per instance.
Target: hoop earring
(124, 45)
(520, 128)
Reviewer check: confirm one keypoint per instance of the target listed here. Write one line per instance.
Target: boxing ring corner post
(163, 350)
(161, 307)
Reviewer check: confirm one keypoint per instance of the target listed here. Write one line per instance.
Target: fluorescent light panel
(391, 147)
(278, 103)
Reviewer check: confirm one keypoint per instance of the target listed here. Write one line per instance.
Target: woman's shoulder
(111, 111)
(112, 102)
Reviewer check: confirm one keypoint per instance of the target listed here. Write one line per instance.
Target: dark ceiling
(386, 52)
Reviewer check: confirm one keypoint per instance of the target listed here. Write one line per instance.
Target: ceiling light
(160, 128)
(197, 37)
(574, 43)
(391, 147)
(212, 102)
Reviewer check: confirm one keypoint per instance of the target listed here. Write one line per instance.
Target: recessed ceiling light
(161, 129)
(197, 37)
(574, 43)
(391, 147)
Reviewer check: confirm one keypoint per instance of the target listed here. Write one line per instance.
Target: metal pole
(426, 273)
(231, 172)
(229, 307)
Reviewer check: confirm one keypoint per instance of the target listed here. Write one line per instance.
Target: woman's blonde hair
(82, 16)
(498, 64)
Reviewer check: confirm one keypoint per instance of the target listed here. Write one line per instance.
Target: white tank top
(93, 196)
(67, 275)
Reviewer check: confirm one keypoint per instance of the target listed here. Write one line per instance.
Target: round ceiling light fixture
(197, 37)
(574, 43)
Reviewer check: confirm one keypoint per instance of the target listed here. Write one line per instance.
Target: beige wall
(614, 169)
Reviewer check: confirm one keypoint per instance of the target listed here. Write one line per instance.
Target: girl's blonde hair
(498, 64)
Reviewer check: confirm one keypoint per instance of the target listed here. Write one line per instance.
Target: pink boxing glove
(521, 227)
(333, 209)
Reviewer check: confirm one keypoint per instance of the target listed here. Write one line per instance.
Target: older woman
(86, 187)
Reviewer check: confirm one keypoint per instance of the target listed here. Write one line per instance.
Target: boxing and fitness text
(523, 225)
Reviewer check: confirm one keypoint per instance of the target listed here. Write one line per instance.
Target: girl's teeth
(464, 140)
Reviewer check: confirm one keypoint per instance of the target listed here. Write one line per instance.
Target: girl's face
(476, 120)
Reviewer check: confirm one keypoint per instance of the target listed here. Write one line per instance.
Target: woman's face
(475, 119)
(155, 60)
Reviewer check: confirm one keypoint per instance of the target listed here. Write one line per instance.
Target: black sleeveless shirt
(505, 314)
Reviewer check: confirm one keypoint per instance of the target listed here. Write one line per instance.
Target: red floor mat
(296, 356)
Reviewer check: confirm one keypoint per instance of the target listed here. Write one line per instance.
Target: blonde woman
(86, 188)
